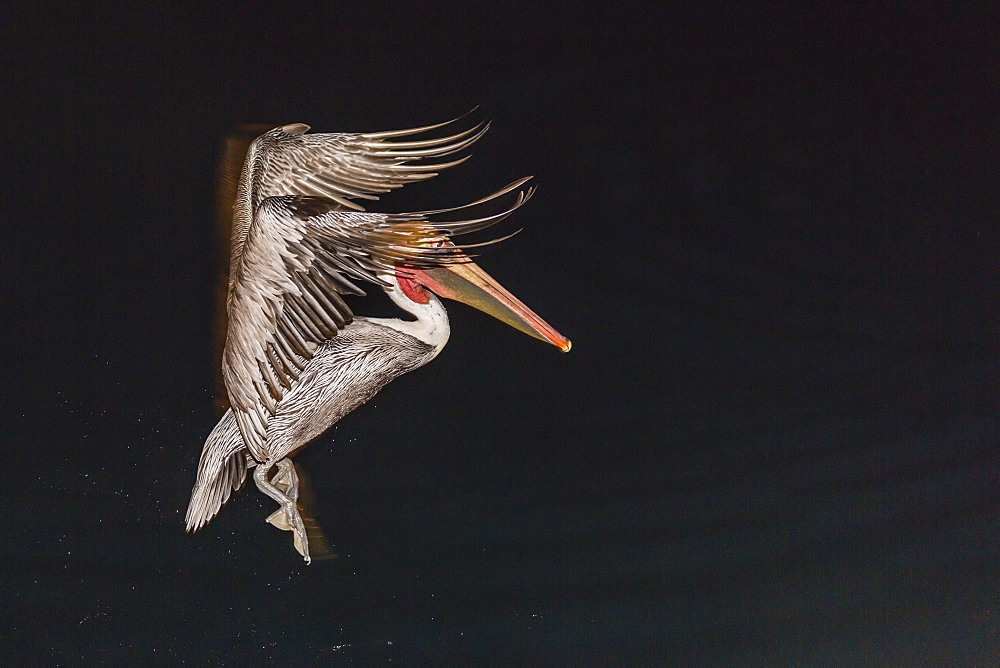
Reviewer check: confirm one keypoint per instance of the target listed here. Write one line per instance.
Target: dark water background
(771, 236)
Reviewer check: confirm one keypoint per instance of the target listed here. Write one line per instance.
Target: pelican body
(296, 359)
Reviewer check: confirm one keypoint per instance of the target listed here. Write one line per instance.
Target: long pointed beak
(466, 282)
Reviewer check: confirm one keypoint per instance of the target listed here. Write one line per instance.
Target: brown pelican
(296, 360)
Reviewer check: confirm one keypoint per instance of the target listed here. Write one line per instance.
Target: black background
(772, 237)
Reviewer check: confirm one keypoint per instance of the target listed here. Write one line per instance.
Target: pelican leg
(290, 519)
(286, 479)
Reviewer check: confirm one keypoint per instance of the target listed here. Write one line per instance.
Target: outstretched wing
(342, 167)
(336, 166)
(221, 471)
(301, 254)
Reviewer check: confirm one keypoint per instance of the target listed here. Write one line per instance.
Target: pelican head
(464, 281)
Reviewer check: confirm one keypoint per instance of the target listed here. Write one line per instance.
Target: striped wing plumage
(298, 250)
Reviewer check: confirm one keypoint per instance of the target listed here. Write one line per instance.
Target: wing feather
(339, 167)
(222, 470)
(346, 166)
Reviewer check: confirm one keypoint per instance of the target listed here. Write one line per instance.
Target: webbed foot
(285, 490)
